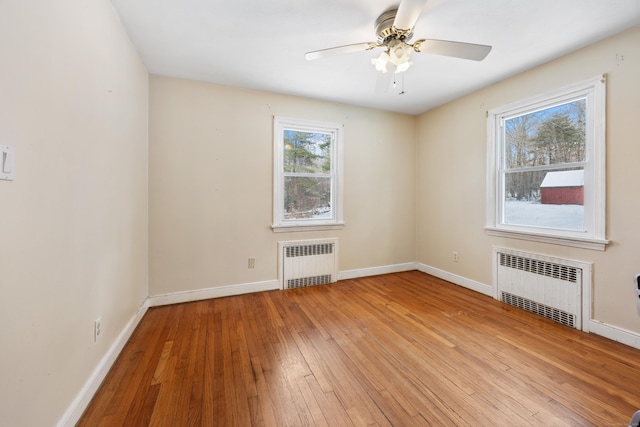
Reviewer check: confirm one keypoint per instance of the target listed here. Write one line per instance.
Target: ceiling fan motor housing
(385, 30)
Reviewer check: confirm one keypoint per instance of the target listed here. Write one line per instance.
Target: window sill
(306, 227)
(576, 242)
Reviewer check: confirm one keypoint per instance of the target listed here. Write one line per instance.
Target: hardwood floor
(404, 349)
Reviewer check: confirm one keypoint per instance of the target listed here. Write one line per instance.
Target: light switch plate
(6, 162)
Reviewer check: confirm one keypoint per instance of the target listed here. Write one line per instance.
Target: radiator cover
(307, 262)
(549, 287)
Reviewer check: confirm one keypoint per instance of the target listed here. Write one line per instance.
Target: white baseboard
(222, 291)
(374, 271)
(80, 403)
(458, 280)
(614, 333)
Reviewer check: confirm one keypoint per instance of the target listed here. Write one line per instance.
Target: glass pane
(546, 137)
(551, 199)
(307, 198)
(307, 152)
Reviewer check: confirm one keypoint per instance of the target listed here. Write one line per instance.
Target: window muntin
(306, 174)
(554, 140)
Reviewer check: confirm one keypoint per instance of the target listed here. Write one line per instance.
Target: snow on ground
(568, 217)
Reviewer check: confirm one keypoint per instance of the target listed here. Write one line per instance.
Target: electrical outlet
(97, 328)
(455, 256)
(252, 263)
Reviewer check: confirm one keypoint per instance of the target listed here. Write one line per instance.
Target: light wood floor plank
(403, 349)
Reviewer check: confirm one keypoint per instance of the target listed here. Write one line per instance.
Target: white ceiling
(260, 44)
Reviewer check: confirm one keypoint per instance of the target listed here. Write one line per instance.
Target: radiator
(550, 287)
(308, 262)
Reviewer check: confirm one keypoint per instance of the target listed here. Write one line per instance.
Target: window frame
(594, 235)
(280, 224)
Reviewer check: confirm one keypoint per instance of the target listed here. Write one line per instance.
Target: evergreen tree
(308, 154)
(547, 137)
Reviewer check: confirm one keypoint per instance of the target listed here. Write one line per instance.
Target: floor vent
(308, 263)
(549, 287)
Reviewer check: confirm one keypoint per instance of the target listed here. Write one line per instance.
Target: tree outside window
(307, 175)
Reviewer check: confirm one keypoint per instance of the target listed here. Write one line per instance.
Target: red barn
(563, 188)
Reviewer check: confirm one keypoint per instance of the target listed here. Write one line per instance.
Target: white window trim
(337, 130)
(594, 237)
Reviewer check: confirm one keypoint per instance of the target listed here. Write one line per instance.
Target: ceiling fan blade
(339, 50)
(474, 52)
(408, 13)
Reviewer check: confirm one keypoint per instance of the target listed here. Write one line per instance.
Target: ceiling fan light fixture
(381, 62)
(403, 67)
(398, 54)
(399, 51)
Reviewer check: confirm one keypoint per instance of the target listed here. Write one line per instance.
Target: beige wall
(452, 150)
(211, 162)
(73, 233)
(79, 108)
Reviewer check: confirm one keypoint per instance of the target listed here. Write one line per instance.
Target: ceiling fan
(394, 29)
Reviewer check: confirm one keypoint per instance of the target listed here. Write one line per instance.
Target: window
(545, 174)
(307, 175)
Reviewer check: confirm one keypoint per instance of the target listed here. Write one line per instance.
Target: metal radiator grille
(554, 314)
(308, 281)
(309, 250)
(543, 268)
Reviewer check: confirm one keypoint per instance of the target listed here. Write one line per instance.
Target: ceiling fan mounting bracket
(385, 30)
